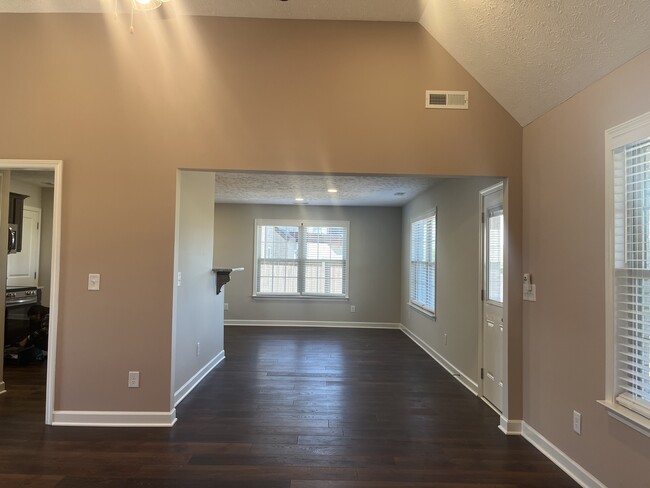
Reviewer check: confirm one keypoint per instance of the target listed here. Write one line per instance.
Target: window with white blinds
(495, 262)
(301, 258)
(423, 263)
(631, 281)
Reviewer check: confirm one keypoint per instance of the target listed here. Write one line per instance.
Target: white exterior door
(22, 267)
(493, 295)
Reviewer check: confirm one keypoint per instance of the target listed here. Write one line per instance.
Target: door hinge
(481, 373)
(482, 217)
(38, 224)
(482, 295)
(34, 274)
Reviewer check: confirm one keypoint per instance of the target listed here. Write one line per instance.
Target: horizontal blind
(325, 260)
(423, 263)
(277, 259)
(632, 274)
(302, 259)
(495, 255)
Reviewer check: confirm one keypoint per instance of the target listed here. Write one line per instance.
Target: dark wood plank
(289, 407)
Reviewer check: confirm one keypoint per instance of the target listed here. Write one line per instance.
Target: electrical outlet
(134, 379)
(353, 308)
(577, 422)
(179, 279)
(530, 293)
(225, 306)
(198, 348)
(445, 339)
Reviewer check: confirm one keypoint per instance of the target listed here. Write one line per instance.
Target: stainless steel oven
(18, 300)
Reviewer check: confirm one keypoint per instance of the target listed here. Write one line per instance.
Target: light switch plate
(93, 282)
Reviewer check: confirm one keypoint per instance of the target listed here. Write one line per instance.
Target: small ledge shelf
(223, 276)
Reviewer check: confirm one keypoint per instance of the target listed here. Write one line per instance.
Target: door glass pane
(495, 255)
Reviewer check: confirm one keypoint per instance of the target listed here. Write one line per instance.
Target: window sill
(423, 311)
(628, 417)
(341, 298)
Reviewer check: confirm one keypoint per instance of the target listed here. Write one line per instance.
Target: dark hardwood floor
(289, 407)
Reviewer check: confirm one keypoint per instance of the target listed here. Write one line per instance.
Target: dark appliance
(18, 300)
(16, 204)
(12, 244)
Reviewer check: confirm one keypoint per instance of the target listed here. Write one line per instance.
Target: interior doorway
(493, 232)
(30, 215)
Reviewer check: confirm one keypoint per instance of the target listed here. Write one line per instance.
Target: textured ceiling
(282, 189)
(531, 55)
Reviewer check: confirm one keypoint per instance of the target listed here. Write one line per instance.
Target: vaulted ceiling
(531, 55)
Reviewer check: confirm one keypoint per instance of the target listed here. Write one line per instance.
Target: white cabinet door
(22, 267)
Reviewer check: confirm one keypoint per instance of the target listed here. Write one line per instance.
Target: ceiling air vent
(447, 99)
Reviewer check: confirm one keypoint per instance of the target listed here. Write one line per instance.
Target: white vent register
(447, 99)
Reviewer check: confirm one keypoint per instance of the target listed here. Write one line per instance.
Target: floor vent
(447, 99)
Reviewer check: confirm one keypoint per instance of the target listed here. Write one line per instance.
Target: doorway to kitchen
(30, 217)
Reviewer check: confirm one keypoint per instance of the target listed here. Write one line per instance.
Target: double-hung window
(628, 284)
(423, 263)
(295, 258)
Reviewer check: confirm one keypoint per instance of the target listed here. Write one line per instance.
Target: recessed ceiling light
(332, 190)
(300, 199)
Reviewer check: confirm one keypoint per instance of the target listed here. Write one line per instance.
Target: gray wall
(45, 261)
(375, 248)
(25, 188)
(458, 273)
(198, 309)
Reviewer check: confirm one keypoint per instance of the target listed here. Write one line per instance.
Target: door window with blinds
(495, 254)
(629, 285)
(423, 263)
(294, 258)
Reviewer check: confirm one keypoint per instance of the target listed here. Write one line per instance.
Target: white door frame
(57, 167)
(481, 287)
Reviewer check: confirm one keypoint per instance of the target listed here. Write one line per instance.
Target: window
(423, 263)
(295, 258)
(495, 255)
(628, 305)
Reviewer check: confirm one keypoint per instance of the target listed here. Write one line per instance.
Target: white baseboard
(311, 323)
(510, 427)
(564, 462)
(184, 390)
(2, 388)
(470, 384)
(114, 419)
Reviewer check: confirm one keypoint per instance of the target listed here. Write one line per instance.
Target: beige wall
(125, 111)
(374, 263)
(564, 242)
(458, 271)
(198, 317)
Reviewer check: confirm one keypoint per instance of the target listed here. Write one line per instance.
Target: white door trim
(481, 286)
(57, 167)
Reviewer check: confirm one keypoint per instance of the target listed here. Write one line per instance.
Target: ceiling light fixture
(332, 190)
(143, 6)
(300, 199)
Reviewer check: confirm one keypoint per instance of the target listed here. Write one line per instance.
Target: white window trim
(424, 310)
(306, 223)
(626, 133)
